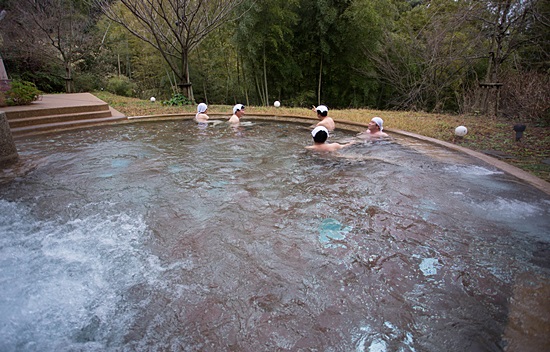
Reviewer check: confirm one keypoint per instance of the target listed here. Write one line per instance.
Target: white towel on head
(379, 122)
(202, 107)
(238, 107)
(318, 129)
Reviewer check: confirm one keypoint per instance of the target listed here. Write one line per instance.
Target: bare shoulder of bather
(372, 135)
(201, 117)
(327, 147)
(328, 123)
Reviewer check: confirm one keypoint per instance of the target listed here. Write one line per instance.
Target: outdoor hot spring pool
(167, 236)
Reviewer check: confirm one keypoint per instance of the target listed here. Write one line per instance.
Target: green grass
(484, 133)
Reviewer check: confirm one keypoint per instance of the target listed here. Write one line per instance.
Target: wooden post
(490, 90)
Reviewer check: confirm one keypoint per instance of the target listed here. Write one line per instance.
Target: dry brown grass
(484, 133)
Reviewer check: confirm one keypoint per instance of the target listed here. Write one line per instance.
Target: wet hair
(322, 113)
(320, 137)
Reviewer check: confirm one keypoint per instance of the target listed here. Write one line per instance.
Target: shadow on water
(170, 236)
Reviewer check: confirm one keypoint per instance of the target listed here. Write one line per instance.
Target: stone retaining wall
(8, 151)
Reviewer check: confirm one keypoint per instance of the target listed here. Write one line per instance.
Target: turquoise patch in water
(219, 184)
(332, 230)
(120, 163)
(427, 207)
(175, 169)
(429, 266)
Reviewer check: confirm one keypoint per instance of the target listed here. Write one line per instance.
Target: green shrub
(22, 93)
(177, 99)
(121, 85)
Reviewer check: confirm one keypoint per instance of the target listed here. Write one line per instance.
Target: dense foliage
(177, 99)
(21, 93)
(478, 56)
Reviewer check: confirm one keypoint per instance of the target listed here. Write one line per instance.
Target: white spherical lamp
(153, 99)
(461, 131)
(277, 103)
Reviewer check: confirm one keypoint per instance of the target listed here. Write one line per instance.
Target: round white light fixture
(461, 131)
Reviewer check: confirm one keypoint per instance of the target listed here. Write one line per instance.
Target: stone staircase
(54, 112)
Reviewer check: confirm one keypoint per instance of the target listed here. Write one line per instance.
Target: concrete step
(65, 125)
(36, 110)
(49, 119)
(53, 112)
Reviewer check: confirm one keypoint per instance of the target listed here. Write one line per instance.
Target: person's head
(238, 110)
(201, 108)
(376, 124)
(322, 111)
(320, 134)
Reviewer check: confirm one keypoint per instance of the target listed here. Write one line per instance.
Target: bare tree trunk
(243, 73)
(259, 89)
(265, 80)
(184, 86)
(320, 79)
(491, 92)
(245, 89)
(228, 79)
(69, 85)
(69, 57)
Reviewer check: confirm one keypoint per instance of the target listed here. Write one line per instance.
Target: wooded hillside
(464, 56)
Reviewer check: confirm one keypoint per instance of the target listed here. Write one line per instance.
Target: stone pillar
(8, 151)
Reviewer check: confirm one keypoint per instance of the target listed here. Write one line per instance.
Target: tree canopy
(488, 56)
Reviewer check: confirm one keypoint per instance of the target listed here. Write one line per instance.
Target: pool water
(170, 236)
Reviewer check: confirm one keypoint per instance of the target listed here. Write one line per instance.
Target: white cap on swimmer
(321, 109)
(318, 129)
(237, 108)
(379, 122)
(202, 107)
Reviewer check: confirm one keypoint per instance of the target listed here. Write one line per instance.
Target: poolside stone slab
(8, 151)
(497, 154)
(52, 112)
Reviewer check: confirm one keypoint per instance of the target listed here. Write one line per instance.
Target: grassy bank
(493, 136)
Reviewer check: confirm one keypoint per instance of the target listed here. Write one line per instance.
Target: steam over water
(173, 237)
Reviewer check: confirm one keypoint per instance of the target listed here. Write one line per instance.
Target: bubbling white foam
(472, 170)
(63, 280)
